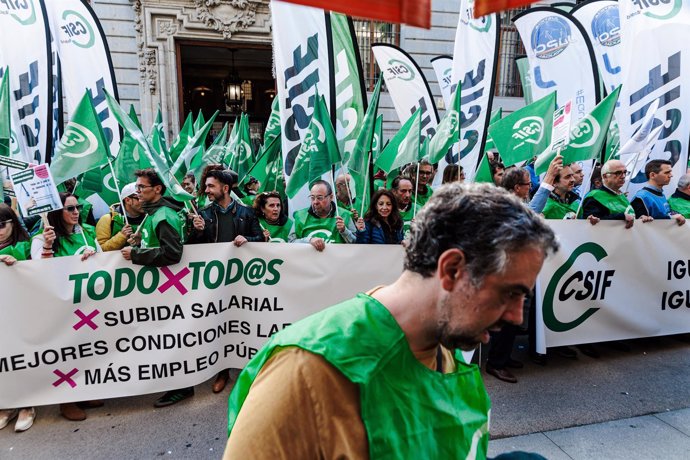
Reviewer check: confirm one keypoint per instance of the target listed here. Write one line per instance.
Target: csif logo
(606, 26)
(550, 37)
(662, 10)
(482, 24)
(529, 130)
(401, 70)
(22, 11)
(310, 139)
(585, 133)
(79, 140)
(589, 286)
(77, 29)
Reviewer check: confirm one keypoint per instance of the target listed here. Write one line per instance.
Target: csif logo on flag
(401, 70)
(550, 37)
(482, 24)
(606, 26)
(77, 29)
(310, 141)
(584, 285)
(243, 150)
(78, 140)
(529, 130)
(658, 9)
(585, 133)
(14, 144)
(448, 128)
(22, 11)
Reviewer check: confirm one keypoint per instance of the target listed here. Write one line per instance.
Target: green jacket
(161, 234)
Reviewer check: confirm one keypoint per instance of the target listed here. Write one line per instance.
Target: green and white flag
(5, 124)
(404, 147)
(268, 169)
(318, 152)
(212, 155)
(157, 137)
(174, 189)
(83, 145)
(524, 133)
(447, 132)
(273, 125)
(186, 133)
(193, 152)
(232, 143)
(496, 115)
(242, 159)
(377, 140)
(587, 137)
(199, 122)
(128, 160)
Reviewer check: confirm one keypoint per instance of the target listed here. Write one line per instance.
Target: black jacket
(170, 250)
(243, 218)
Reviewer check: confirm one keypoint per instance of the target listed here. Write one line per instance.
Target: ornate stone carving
(226, 16)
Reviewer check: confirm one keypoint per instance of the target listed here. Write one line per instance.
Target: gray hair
(487, 223)
(684, 181)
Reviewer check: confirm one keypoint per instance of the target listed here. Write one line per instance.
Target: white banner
(443, 68)
(608, 283)
(302, 67)
(85, 61)
(475, 56)
(25, 48)
(561, 58)
(104, 328)
(653, 36)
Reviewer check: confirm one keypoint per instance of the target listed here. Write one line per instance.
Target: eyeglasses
(5, 223)
(140, 187)
(618, 173)
(318, 197)
(73, 208)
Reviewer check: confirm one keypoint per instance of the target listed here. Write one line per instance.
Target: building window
(510, 46)
(369, 32)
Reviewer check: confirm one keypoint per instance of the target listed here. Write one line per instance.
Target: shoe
(501, 374)
(589, 350)
(25, 419)
(6, 416)
(221, 381)
(90, 404)
(566, 352)
(173, 397)
(72, 412)
(514, 364)
(538, 358)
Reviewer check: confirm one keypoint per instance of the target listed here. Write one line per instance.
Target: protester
(250, 189)
(650, 200)
(14, 246)
(608, 202)
(402, 190)
(424, 191)
(275, 224)
(189, 183)
(223, 221)
(562, 202)
(680, 200)
(497, 170)
(66, 235)
(578, 176)
(518, 182)
(382, 223)
(343, 193)
(453, 173)
(158, 240)
(112, 230)
(596, 180)
(363, 379)
(319, 224)
(380, 179)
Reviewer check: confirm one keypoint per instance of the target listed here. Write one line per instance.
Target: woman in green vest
(274, 223)
(14, 246)
(65, 235)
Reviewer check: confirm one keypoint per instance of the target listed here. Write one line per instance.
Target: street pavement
(625, 405)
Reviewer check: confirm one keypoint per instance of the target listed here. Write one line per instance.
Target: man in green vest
(381, 375)
(112, 229)
(608, 202)
(320, 223)
(563, 203)
(343, 194)
(680, 200)
(402, 189)
(426, 175)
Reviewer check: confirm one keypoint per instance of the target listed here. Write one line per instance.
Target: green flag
(199, 122)
(524, 133)
(211, 155)
(83, 145)
(128, 160)
(268, 169)
(99, 181)
(232, 143)
(484, 171)
(587, 137)
(318, 152)
(496, 115)
(5, 126)
(404, 147)
(377, 140)
(447, 131)
(522, 65)
(157, 137)
(186, 133)
(191, 156)
(174, 188)
(273, 124)
(242, 159)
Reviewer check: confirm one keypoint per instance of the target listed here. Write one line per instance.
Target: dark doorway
(207, 69)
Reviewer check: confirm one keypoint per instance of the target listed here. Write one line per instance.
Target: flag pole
(416, 190)
(119, 191)
(337, 213)
(582, 199)
(366, 184)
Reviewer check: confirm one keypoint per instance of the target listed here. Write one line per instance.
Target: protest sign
(35, 190)
(560, 132)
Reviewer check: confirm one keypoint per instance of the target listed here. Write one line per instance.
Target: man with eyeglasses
(320, 224)
(158, 241)
(650, 200)
(424, 191)
(608, 202)
(112, 229)
(680, 200)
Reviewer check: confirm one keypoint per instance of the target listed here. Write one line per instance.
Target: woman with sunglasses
(382, 223)
(14, 246)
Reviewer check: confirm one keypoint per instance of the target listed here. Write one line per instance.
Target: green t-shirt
(422, 198)
(20, 251)
(74, 244)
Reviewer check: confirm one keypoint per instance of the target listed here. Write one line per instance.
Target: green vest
(149, 239)
(248, 200)
(20, 251)
(680, 205)
(407, 217)
(308, 226)
(74, 244)
(117, 223)
(423, 198)
(616, 204)
(557, 210)
(408, 410)
(279, 233)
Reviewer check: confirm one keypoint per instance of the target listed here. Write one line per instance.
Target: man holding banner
(650, 200)
(381, 375)
(608, 202)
